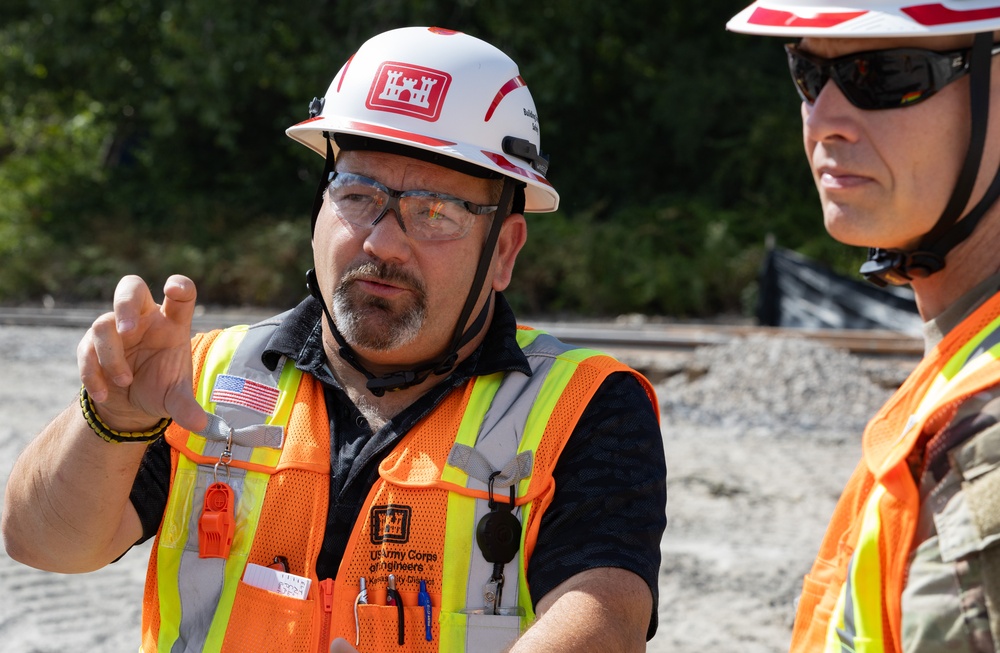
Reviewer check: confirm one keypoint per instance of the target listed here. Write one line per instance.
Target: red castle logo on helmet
(410, 90)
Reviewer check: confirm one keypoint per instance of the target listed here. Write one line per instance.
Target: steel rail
(649, 337)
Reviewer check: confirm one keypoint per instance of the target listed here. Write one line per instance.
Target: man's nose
(831, 116)
(388, 243)
(391, 207)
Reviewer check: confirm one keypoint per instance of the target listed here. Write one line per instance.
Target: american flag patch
(236, 390)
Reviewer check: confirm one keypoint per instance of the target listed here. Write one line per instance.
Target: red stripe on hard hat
(397, 133)
(773, 18)
(505, 164)
(343, 73)
(515, 83)
(938, 14)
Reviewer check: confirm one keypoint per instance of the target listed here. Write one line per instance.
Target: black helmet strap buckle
(896, 267)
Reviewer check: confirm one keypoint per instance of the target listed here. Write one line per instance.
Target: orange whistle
(216, 525)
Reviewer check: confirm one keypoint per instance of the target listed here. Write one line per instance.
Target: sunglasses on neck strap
(879, 79)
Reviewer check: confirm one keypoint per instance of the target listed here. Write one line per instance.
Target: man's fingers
(179, 295)
(91, 373)
(106, 355)
(132, 301)
(185, 410)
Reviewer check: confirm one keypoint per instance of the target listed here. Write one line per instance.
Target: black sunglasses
(879, 79)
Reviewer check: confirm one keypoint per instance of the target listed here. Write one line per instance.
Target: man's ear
(513, 235)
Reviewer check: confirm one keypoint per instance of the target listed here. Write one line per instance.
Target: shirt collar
(936, 329)
(300, 338)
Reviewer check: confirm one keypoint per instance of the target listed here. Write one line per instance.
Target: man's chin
(378, 330)
(847, 227)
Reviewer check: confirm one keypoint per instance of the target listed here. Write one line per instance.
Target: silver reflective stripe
(195, 623)
(491, 633)
(496, 448)
(849, 632)
(504, 422)
(255, 435)
(473, 463)
(200, 580)
(246, 363)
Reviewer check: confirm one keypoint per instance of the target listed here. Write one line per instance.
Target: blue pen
(424, 600)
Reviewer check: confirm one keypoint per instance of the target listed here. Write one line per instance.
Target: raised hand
(136, 361)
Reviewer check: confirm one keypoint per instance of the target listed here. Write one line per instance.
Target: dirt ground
(746, 512)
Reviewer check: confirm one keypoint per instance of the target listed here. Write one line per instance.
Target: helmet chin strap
(378, 385)
(898, 267)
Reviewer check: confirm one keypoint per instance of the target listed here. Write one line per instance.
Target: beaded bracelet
(110, 435)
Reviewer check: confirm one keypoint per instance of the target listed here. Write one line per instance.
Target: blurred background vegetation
(147, 137)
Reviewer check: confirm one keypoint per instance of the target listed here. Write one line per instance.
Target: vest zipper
(326, 597)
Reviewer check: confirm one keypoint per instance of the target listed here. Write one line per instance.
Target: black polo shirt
(609, 506)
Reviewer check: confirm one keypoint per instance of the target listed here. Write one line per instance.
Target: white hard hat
(442, 92)
(867, 18)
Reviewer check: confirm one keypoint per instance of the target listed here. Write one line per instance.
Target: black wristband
(110, 435)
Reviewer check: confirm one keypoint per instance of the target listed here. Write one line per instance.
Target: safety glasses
(879, 79)
(422, 214)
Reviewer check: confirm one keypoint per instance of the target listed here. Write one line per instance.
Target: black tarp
(798, 292)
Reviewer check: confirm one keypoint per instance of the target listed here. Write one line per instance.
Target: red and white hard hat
(440, 91)
(867, 18)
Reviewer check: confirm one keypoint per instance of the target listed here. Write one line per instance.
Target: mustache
(387, 273)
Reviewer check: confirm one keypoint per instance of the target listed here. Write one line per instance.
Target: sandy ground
(746, 512)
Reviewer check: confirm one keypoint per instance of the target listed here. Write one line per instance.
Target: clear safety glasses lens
(423, 215)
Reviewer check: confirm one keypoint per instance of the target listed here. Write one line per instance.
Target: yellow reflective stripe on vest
(461, 513)
(217, 362)
(247, 517)
(960, 365)
(455, 626)
(961, 361)
(288, 385)
(459, 549)
(483, 391)
(527, 336)
(177, 540)
(541, 412)
(858, 624)
(173, 536)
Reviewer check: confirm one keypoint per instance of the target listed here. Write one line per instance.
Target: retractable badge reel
(498, 535)
(217, 522)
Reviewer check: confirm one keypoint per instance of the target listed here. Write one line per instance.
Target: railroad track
(609, 336)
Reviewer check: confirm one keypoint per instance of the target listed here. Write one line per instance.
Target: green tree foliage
(146, 136)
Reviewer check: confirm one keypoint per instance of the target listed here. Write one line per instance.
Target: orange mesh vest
(269, 440)
(851, 598)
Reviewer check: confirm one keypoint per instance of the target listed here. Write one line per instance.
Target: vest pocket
(263, 620)
(379, 628)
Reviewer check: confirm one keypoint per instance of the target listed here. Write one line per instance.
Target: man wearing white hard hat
(395, 464)
(901, 125)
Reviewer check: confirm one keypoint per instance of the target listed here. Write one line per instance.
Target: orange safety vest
(851, 599)
(418, 523)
